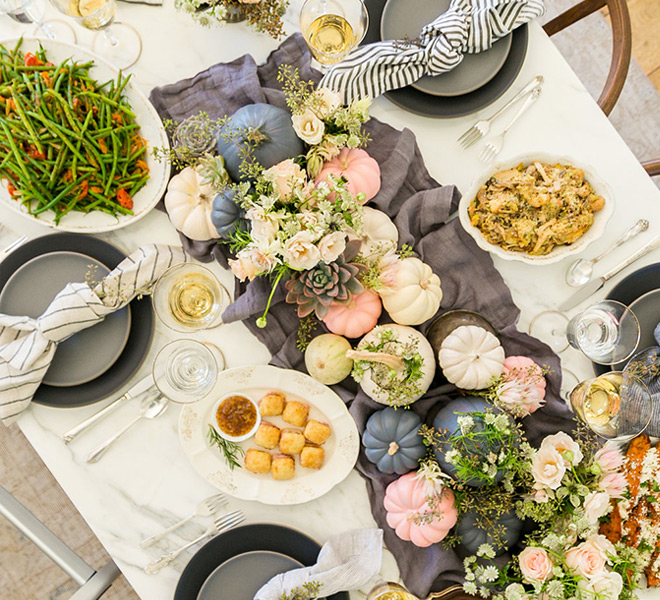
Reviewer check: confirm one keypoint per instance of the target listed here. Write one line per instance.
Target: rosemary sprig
(230, 450)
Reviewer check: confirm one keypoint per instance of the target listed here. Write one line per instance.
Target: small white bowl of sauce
(235, 417)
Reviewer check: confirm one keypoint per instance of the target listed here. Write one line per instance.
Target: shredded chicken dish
(533, 208)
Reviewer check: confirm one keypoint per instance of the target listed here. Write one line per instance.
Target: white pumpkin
(411, 292)
(379, 232)
(326, 360)
(188, 202)
(391, 365)
(470, 357)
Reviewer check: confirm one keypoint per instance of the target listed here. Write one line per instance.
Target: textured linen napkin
(468, 26)
(346, 562)
(420, 208)
(27, 345)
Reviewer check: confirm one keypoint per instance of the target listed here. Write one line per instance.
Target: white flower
(308, 127)
(565, 445)
(596, 504)
(486, 550)
(465, 423)
(328, 101)
(264, 227)
(286, 176)
(300, 253)
(490, 573)
(548, 467)
(469, 587)
(451, 456)
(502, 423)
(607, 586)
(514, 591)
(332, 245)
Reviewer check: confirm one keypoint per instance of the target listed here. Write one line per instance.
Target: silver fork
(15, 244)
(481, 128)
(494, 146)
(205, 508)
(220, 525)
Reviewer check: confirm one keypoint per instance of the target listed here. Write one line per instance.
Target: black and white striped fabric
(468, 26)
(27, 345)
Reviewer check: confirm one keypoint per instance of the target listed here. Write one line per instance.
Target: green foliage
(230, 450)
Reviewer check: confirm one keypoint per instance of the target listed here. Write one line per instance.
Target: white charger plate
(341, 450)
(151, 129)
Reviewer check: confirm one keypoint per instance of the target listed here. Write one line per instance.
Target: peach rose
(596, 504)
(300, 253)
(308, 127)
(332, 245)
(535, 564)
(609, 457)
(243, 267)
(286, 176)
(614, 484)
(586, 559)
(548, 467)
(563, 443)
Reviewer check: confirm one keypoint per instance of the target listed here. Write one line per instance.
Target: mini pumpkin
(411, 292)
(472, 536)
(407, 497)
(392, 441)
(356, 317)
(326, 360)
(379, 232)
(471, 357)
(226, 214)
(361, 172)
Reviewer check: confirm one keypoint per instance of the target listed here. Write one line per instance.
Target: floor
(34, 485)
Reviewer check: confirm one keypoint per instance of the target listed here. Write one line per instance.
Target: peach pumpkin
(406, 498)
(361, 172)
(356, 317)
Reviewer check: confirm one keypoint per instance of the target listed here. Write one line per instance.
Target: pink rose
(286, 176)
(586, 559)
(548, 467)
(614, 484)
(609, 457)
(596, 504)
(535, 564)
(524, 385)
(540, 495)
(332, 245)
(564, 443)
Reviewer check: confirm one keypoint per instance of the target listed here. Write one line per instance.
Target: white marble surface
(145, 482)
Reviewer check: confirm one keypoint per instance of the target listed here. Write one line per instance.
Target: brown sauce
(236, 415)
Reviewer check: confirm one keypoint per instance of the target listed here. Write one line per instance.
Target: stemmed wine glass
(32, 11)
(606, 332)
(120, 44)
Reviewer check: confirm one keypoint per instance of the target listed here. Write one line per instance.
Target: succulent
(315, 290)
(212, 172)
(195, 136)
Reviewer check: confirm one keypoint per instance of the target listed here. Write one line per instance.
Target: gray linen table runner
(420, 208)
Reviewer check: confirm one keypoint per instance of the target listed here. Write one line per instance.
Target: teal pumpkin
(266, 130)
(473, 536)
(225, 213)
(392, 441)
(447, 420)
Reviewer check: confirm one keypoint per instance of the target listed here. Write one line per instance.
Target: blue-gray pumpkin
(446, 421)
(226, 215)
(265, 130)
(472, 536)
(392, 441)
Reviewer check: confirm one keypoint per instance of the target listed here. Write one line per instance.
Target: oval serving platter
(151, 129)
(341, 450)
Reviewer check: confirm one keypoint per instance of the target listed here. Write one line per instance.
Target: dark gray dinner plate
(81, 357)
(428, 105)
(142, 319)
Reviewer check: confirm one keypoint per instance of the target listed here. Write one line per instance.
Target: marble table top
(145, 482)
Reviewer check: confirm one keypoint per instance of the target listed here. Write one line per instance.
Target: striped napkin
(468, 26)
(27, 345)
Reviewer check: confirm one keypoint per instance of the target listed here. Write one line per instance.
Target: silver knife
(72, 433)
(593, 286)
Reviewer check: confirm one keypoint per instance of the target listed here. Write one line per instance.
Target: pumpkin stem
(393, 449)
(393, 362)
(255, 137)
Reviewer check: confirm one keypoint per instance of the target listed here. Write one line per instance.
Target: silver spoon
(150, 408)
(581, 270)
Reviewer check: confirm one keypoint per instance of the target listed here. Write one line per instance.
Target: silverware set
(15, 244)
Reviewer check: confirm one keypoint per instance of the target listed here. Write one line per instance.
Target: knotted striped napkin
(468, 26)
(27, 345)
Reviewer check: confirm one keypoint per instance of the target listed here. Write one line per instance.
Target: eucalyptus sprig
(230, 450)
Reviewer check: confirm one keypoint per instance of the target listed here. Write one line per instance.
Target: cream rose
(329, 101)
(548, 467)
(586, 559)
(535, 564)
(286, 177)
(332, 245)
(596, 504)
(607, 586)
(300, 253)
(308, 127)
(603, 544)
(263, 228)
(563, 443)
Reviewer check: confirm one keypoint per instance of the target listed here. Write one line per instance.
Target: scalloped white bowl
(560, 252)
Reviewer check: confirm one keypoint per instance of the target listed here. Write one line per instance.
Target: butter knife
(131, 393)
(593, 286)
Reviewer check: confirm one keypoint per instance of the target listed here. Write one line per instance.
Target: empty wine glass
(615, 405)
(32, 11)
(606, 332)
(120, 44)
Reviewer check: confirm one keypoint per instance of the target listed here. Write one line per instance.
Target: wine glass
(120, 44)
(606, 332)
(616, 405)
(332, 28)
(32, 11)
(185, 371)
(189, 297)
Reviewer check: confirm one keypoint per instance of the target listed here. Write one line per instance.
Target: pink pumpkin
(356, 317)
(406, 498)
(361, 172)
(522, 390)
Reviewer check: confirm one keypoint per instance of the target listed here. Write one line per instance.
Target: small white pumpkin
(470, 357)
(188, 202)
(379, 232)
(385, 359)
(326, 360)
(411, 292)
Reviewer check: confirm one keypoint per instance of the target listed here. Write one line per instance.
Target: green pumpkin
(392, 441)
(226, 215)
(266, 130)
(472, 536)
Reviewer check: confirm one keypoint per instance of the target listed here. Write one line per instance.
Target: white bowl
(231, 438)
(558, 253)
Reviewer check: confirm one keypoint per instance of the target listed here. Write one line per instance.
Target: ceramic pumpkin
(361, 172)
(407, 497)
(379, 232)
(411, 292)
(266, 130)
(226, 214)
(472, 536)
(391, 440)
(470, 357)
(356, 317)
(326, 360)
(189, 203)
